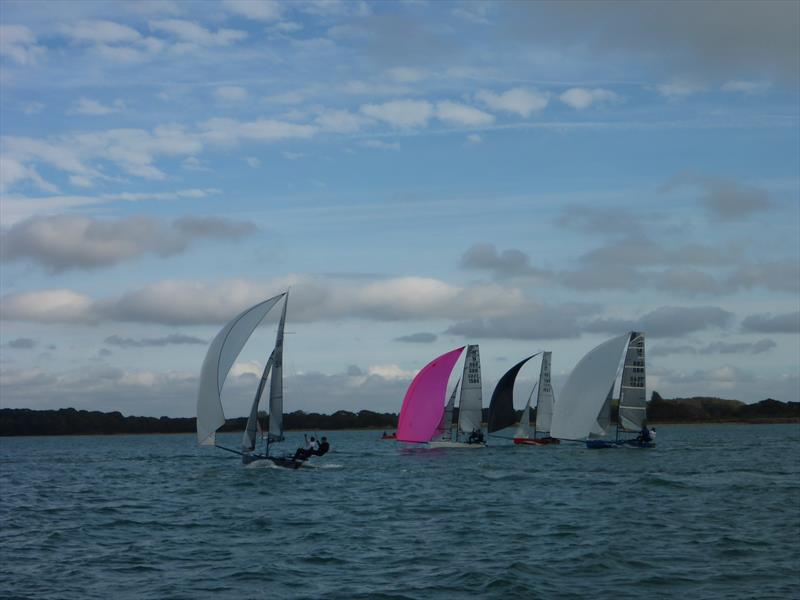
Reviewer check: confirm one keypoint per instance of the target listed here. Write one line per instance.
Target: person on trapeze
(646, 435)
(476, 437)
(313, 448)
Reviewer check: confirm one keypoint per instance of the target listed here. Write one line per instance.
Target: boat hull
(548, 441)
(446, 444)
(604, 444)
(279, 461)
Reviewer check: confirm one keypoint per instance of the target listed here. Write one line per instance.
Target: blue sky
(524, 176)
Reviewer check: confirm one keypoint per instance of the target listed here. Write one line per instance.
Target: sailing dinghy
(423, 405)
(545, 400)
(221, 355)
(583, 411)
(450, 434)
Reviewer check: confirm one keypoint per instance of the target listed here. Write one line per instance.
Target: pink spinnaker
(423, 405)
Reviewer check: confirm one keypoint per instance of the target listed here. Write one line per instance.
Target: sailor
(311, 447)
(476, 437)
(645, 435)
(653, 434)
(323, 447)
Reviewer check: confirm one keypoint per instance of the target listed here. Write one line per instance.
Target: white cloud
(518, 101)
(257, 10)
(340, 121)
(101, 32)
(461, 114)
(253, 162)
(229, 131)
(86, 106)
(19, 43)
(747, 87)
(13, 172)
(47, 306)
(408, 74)
(401, 113)
(679, 89)
(580, 98)
(380, 145)
(390, 372)
(230, 93)
(195, 35)
(474, 138)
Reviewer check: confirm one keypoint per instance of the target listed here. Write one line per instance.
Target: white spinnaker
(632, 394)
(600, 427)
(470, 405)
(219, 359)
(585, 391)
(276, 383)
(546, 399)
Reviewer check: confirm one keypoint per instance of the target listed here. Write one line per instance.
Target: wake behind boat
(221, 355)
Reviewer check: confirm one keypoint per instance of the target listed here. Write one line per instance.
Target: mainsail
(545, 397)
(249, 437)
(470, 404)
(423, 404)
(219, 359)
(276, 384)
(584, 394)
(632, 395)
(444, 430)
(501, 407)
(524, 428)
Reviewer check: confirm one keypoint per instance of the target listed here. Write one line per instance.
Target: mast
(249, 437)
(544, 398)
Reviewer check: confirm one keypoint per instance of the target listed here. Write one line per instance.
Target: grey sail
(221, 355)
(545, 398)
(444, 430)
(524, 428)
(276, 383)
(470, 406)
(632, 394)
(250, 430)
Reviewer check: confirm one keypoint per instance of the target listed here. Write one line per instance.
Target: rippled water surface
(713, 512)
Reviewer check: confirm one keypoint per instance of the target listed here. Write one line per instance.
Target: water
(713, 512)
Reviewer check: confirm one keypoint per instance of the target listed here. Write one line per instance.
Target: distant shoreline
(661, 412)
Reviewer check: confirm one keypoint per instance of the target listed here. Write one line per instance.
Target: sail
(583, 395)
(501, 407)
(249, 437)
(632, 395)
(470, 404)
(600, 427)
(524, 428)
(219, 359)
(545, 397)
(444, 430)
(276, 383)
(423, 404)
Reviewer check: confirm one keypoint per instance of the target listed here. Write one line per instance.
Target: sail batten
(584, 395)
(222, 353)
(423, 404)
(633, 396)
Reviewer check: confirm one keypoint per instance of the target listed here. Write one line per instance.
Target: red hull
(536, 441)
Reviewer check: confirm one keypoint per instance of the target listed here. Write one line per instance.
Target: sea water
(712, 512)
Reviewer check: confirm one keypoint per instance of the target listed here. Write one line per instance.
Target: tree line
(69, 421)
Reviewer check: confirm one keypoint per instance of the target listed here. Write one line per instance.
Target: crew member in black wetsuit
(323, 447)
(303, 453)
(476, 437)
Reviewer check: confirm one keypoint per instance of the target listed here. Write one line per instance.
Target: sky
(421, 175)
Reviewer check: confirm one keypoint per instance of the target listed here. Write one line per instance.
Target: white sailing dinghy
(583, 411)
(470, 409)
(545, 400)
(221, 355)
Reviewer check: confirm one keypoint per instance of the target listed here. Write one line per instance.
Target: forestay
(585, 392)
(276, 383)
(221, 355)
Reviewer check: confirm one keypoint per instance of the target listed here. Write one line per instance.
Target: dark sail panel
(501, 408)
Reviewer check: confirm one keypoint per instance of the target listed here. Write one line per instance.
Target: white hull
(446, 444)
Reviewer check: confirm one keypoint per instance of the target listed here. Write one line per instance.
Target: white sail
(585, 391)
(524, 427)
(600, 427)
(470, 405)
(632, 394)
(219, 359)
(249, 437)
(445, 429)
(545, 397)
(276, 383)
